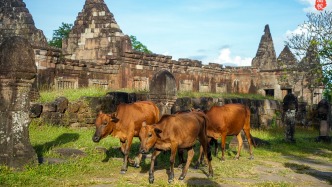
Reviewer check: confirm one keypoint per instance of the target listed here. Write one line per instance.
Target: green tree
(60, 34)
(316, 32)
(138, 46)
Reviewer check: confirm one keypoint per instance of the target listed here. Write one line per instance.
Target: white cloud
(225, 58)
(298, 31)
(166, 53)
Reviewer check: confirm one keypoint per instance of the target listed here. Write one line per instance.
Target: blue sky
(219, 31)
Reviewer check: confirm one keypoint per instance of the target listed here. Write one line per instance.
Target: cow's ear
(100, 112)
(157, 131)
(113, 115)
(115, 120)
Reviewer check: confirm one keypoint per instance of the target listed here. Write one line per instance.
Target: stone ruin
(163, 91)
(17, 74)
(98, 53)
(324, 116)
(290, 108)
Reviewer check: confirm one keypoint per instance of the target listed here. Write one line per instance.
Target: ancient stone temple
(96, 37)
(17, 73)
(286, 57)
(98, 53)
(265, 58)
(15, 20)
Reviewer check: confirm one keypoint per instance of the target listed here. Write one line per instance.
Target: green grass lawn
(100, 168)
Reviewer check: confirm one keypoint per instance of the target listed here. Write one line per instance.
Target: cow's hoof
(181, 178)
(210, 175)
(136, 165)
(251, 158)
(151, 180)
(123, 171)
(170, 181)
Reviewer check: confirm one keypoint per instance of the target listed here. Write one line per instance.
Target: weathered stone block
(74, 107)
(61, 104)
(36, 110)
(52, 118)
(49, 107)
(71, 117)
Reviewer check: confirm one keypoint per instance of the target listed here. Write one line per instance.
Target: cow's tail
(206, 123)
(157, 114)
(247, 125)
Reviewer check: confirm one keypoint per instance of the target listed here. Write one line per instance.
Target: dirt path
(285, 171)
(289, 172)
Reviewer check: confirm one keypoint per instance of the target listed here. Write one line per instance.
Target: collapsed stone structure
(98, 53)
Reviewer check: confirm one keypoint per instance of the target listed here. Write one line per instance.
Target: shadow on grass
(304, 169)
(163, 161)
(112, 152)
(201, 182)
(115, 152)
(41, 149)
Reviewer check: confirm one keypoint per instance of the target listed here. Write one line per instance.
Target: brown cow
(173, 132)
(228, 120)
(125, 124)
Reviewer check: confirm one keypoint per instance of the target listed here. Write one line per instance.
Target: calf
(173, 132)
(125, 124)
(228, 120)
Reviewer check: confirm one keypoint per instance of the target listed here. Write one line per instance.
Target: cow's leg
(123, 150)
(223, 146)
(126, 148)
(208, 159)
(138, 160)
(172, 160)
(153, 159)
(240, 143)
(250, 141)
(200, 157)
(181, 159)
(215, 143)
(206, 149)
(189, 159)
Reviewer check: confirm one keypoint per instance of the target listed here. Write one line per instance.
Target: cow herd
(176, 132)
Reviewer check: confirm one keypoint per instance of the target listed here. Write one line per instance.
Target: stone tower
(265, 58)
(96, 37)
(311, 56)
(286, 57)
(16, 20)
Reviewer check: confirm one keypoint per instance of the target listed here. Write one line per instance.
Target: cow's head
(148, 136)
(105, 124)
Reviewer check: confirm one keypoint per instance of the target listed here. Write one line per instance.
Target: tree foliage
(315, 35)
(138, 46)
(60, 34)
